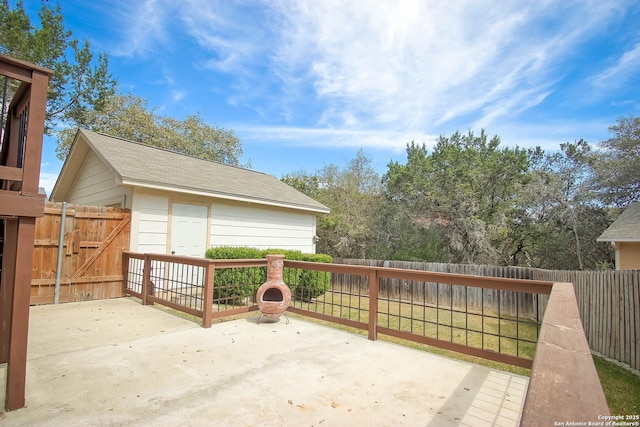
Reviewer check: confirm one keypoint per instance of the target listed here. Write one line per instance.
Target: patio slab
(116, 362)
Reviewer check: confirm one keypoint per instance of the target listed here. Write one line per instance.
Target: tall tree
(128, 117)
(81, 80)
(465, 190)
(564, 205)
(353, 194)
(617, 180)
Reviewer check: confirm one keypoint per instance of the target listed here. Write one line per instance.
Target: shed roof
(142, 165)
(626, 228)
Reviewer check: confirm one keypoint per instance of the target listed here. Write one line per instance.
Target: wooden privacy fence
(609, 305)
(608, 301)
(507, 303)
(91, 263)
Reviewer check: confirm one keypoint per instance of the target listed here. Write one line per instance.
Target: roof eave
(154, 186)
(613, 239)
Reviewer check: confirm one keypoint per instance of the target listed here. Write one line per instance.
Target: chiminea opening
(272, 294)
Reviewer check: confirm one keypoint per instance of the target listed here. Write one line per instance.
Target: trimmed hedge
(236, 284)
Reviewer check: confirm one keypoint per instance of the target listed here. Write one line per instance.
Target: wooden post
(147, 286)
(21, 205)
(23, 230)
(34, 133)
(373, 305)
(6, 289)
(207, 302)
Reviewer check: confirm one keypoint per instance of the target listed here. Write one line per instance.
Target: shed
(183, 205)
(624, 235)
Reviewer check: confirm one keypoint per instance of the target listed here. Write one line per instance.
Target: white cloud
(618, 74)
(143, 26)
(411, 63)
(395, 68)
(314, 137)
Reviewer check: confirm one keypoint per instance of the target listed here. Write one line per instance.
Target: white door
(188, 229)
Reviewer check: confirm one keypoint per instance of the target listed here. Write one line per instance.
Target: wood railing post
(22, 232)
(147, 286)
(207, 302)
(373, 305)
(125, 271)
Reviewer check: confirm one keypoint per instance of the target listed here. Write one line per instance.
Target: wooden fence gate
(91, 263)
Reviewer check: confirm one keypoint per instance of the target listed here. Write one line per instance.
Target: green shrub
(237, 283)
(233, 285)
(229, 252)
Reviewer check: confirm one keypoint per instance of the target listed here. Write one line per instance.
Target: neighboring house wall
(243, 225)
(95, 185)
(229, 224)
(628, 255)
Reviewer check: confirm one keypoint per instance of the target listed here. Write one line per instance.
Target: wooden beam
(15, 72)
(10, 66)
(10, 173)
(13, 204)
(24, 230)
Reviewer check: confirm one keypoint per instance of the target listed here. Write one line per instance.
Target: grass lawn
(505, 335)
(621, 387)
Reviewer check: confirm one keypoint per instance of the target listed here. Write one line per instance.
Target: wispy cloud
(626, 67)
(339, 138)
(143, 26)
(406, 67)
(413, 63)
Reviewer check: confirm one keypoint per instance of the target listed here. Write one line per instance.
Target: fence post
(207, 302)
(147, 286)
(373, 305)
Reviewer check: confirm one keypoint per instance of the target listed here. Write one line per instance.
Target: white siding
(262, 228)
(95, 184)
(151, 216)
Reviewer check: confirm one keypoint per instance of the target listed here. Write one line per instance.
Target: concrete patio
(116, 362)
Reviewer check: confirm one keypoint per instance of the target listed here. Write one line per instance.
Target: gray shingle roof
(626, 228)
(141, 164)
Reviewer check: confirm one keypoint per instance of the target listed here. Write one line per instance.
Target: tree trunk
(577, 238)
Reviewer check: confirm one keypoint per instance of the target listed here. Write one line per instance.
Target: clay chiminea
(273, 296)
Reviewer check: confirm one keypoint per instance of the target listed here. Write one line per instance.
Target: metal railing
(186, 284)
(501, 324)
(528, 323)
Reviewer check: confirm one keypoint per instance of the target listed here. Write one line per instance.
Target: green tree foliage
(618, 180)
(464, 191)
(568, 221)
(304, 182)
(81, 80)
(354, 195)
(128, 117)
(468, 200)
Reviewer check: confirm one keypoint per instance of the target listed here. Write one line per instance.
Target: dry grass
(503, 335)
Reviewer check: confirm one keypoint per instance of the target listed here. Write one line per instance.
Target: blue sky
(308, 83)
